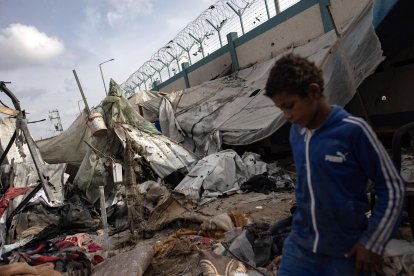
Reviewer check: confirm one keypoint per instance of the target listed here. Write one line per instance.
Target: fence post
(327, 20)
(184, 66)
(231, 37)
(267, 9)
(155, 85)
(277, 7)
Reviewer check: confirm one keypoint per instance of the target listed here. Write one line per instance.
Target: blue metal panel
(381, 9)
(231, 37)
(184, 66)
(326, 18)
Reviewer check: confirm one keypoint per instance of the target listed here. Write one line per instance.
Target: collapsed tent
(147, 103)
(233, 110)
(19, 178)
(96, 155)
(19, 171)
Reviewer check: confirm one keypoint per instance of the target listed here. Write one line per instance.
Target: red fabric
(10, 194)
(65, 243)
(72, 240)
(206, 240)
(92, 247)
(40, 247)
(45, 259)
(97, 259)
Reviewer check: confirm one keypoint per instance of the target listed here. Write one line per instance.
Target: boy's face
(297, 109)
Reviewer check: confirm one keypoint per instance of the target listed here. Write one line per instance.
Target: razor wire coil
(201, 37)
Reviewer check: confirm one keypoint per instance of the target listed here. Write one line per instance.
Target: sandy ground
(259, 207)
(185, 261)
(183, 258)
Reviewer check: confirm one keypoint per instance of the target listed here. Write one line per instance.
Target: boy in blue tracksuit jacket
(335, 154)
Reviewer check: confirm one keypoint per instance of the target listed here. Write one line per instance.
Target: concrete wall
(295, 26)
(299, 28)
(343, 10)
(209, 70)
(175, 85)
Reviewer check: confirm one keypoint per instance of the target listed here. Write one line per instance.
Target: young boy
(335, 154)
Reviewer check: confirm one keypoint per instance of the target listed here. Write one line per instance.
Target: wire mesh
(201, 37)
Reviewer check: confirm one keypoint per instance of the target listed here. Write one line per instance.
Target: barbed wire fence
(206, 34)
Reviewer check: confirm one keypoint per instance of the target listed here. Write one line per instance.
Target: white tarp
(24, 170)
(163, 155)
(19, 150)
(150, 111)
(234, 110)
(217, 173)
(26, 176)
(148, 102)
(69, 146)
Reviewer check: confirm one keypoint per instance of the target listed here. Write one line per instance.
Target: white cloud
(93, 18)
(23, 46)
(124, 10)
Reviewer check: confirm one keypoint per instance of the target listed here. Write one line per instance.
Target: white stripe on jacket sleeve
(394, 185)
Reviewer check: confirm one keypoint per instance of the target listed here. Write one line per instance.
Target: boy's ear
(314, 91)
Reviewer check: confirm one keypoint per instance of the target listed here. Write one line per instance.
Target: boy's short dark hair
(294, 74)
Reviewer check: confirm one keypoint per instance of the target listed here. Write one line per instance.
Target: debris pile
(119, 197)
(121, 183)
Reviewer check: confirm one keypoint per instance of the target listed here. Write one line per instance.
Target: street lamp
(100, 67)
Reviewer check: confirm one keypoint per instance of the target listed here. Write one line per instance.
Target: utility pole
(54, 116)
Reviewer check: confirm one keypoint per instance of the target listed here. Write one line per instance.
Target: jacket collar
(336, 114)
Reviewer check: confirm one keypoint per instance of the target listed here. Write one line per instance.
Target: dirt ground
(183, 258)
(259, 207)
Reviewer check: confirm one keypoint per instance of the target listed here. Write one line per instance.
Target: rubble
(141, 172)
(163, 209)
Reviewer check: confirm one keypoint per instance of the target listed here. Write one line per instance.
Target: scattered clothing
(216, 265)
(18, 269)
(81, 240)
(93, 247)
(259, 184)
(10, 194)
(97, 259)
(280, 230)
(64, 256)
(265, 183)
(398, 258)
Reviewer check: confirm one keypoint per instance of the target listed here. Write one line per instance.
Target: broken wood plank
(9, 111)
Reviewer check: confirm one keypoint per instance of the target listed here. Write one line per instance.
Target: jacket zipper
(308, 136)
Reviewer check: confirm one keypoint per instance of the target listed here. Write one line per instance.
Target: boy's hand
(365, 260)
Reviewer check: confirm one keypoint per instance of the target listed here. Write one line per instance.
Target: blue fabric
(342, 155)
(297, 261)
(157, 125)
(381, 9)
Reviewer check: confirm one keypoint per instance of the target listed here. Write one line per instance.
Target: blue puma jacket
(333, 165)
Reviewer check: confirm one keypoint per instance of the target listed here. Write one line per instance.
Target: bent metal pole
(81, 91)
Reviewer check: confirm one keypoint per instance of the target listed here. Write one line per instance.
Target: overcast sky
(41, 41)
